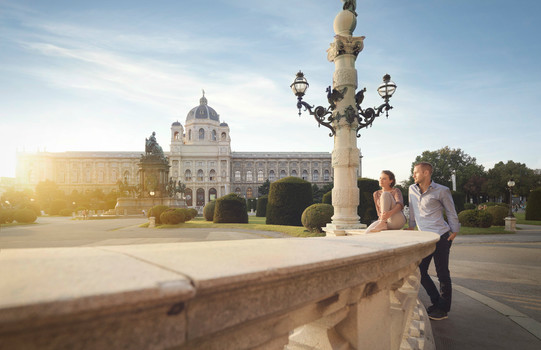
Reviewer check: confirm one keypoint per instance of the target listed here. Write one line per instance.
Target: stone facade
(200, 156)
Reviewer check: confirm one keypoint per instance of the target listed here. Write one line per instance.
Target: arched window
(190, 134)
(260, 176)
(224, 136)
(315, 176)
(212, 194)
(249, 192)
(249, 177)
(212, 175)
(282, 174)
(304, 175)
(126, 177)
(176, 136)
(237, 175)
(238, 191)
(294, 172)
(188, 175)
(272, 177)
(201, 134)
(200, 197)
(213, 135)
(189, 197)
(326, 175)
(200, 175)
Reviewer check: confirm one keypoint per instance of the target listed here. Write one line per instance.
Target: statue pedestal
(511, 224)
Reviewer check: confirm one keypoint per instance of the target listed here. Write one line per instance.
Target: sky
(102, 75)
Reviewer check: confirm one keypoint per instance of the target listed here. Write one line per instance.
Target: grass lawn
(254, 223)
(521, 219)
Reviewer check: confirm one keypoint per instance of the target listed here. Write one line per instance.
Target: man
(427, 201)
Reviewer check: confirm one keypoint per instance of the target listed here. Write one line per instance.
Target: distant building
(200, 157)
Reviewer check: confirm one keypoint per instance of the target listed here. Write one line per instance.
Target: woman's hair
(391, 176)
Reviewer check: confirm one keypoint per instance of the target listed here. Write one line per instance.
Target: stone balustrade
(313, 293)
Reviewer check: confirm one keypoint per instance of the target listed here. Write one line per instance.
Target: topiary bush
(468, 218)
(484, 219)
(157, 211)
(327, 198)
(498, 214)
(261, 210)
(208, 210)
(6, 215)
(66, 212)
(367, 209)
(192, 214)
(230, 208)
(173, 216)
(533, 206)
(316, 216)
(25, 216)
(288, 198)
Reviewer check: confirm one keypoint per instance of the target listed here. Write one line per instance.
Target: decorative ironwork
(366, 117)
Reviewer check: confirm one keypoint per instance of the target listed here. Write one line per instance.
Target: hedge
(288, 198)
(25, 216)
(208, 210)
(261, 210)
(498, 214)
(316, 216)
(156, 211)
(367, 208)
(173, 216)
(6, 215)
(230, 208)
(327, 198)
(533, 207)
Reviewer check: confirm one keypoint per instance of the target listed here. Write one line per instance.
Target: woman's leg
(398, 220)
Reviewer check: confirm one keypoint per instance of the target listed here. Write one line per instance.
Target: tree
(475, 187)
(525, 180)
(264, 188)
(47, 191)
(317, 192)
(445, 161)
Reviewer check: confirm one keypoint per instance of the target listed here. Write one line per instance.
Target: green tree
(317, 192)
(264, 188)
(525, 180)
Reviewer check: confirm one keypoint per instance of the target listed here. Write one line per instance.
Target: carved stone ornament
(345, 76)
(343, 197)
(342, 45)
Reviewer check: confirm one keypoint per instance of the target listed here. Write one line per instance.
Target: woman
(389, 205)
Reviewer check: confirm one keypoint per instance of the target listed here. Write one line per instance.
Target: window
(190, 135)
(249, 192)
(326, 175)
(272, 177)
(213, 135)
(200, 197)
(294, 173)
(176, 136)
(212, 194)
(315, 176)
(249, 176)
(224, 136)
(238, 191)
(189, 198)
(260, 176)
(304, 175)
(237, 175)
(126, 177)
(212, 175)
(188, 175)
(282, 174)
(200, 175)
(100, 176)
(201, 134)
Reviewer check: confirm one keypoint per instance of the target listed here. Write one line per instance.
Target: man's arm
(450, 211)
(412, 223)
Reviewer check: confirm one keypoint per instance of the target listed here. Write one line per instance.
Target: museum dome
(176, 123)
(203, 111)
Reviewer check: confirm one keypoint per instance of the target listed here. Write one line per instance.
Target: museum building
(200, 157)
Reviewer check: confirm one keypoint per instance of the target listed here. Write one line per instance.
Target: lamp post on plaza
(344, 117)
(510, 185)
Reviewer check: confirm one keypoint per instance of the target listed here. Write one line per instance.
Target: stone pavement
(478, 322)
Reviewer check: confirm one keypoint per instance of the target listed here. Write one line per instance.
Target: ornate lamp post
(344, 117)
(510, 185)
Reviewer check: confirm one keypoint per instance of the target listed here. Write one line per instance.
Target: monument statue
(350, 5)
(152, 147)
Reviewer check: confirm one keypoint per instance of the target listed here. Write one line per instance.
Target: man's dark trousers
(441, 262)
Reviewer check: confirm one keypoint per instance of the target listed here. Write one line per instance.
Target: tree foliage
(264, 188)
(525, 179)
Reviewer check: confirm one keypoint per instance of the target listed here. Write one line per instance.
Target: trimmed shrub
(66, 212)
(468, 206)
(230, 208)
(327, 198)
(484, 219)
(261, 210)
(157, 211)
(57, 205)
(498, 214)
(7, 215)
(25, 216)
(468, 218)
(367, 209)
(192, 214)
(316, 216)
(459, 199)
(173, 216)
(533, 207)
(208, 210)
(288, 198)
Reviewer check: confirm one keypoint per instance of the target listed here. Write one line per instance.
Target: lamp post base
(511, 224)
(333, 230)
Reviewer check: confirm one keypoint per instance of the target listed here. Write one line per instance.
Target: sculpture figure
(152, 147)
(350, 5)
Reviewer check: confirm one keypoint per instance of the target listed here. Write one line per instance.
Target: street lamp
(344, 117)
(510, 185)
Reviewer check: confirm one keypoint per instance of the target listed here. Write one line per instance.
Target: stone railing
(313, 293)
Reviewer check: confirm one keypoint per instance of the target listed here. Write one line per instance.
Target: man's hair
(425, 166)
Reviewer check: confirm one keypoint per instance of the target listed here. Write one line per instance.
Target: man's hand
(452, 236)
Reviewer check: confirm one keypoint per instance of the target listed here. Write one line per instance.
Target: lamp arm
(366, 117)
(319, 114)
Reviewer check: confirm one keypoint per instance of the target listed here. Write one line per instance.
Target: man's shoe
(431, 308)
(437, 315)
